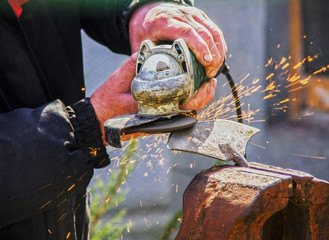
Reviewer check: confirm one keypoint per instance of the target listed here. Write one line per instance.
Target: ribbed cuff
(88, 133)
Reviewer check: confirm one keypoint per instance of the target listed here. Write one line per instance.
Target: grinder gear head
(164, 78)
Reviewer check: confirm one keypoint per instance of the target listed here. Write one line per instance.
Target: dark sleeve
(107, 21)
(46, 156)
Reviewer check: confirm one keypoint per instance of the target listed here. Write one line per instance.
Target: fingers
(218, 47)
(203, 97)
(214, 60)
(165, 21)
(201, 34)
(113, 97)
(118, 87)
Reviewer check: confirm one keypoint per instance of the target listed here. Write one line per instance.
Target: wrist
(87, 132)
(99, 109)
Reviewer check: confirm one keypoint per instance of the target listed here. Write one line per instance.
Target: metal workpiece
(220, 139)
(164, 78)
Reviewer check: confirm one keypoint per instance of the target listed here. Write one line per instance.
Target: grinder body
(167, 75)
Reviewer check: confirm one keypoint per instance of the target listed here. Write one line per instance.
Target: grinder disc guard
(175, 123)
(131, 123)
(164, 78)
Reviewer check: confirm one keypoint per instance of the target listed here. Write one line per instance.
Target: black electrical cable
(226, 72)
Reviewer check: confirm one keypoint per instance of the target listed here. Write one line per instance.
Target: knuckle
(158, 18)
(217, 33)
(205, 35)
(185, 31)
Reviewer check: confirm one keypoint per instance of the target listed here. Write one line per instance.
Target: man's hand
(165, 21)
(203, 96)
(113, 97)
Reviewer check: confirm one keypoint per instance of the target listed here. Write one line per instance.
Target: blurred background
(278, 54)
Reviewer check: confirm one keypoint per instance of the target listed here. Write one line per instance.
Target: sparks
(283, 60)
(70, 188)
(44, 205)
(308, 156)
(257, 145)
(310, 59)
(255, 81)
(269, 62)
(270, 86)
(172, 166)
(45, 186)
(285, 66)
(298, 65)
(295, 89)
(269, 76)
(269, 96)
(285, 100)
(61, 218)
(61, 202)
(320, 70)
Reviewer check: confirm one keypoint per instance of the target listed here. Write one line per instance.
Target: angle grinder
(167, 75)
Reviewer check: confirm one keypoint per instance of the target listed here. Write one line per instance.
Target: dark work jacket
(49, 147)
(50, 139)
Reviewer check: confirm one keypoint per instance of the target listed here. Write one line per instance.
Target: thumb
(128, 68)
(120, 80)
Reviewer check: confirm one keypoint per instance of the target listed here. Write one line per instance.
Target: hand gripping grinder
(167, 75)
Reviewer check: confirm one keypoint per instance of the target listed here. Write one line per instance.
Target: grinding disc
(175, 123)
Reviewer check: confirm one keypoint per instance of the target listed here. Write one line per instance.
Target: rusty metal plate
(208, 138)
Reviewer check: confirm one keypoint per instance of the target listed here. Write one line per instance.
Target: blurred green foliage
(107, 195)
